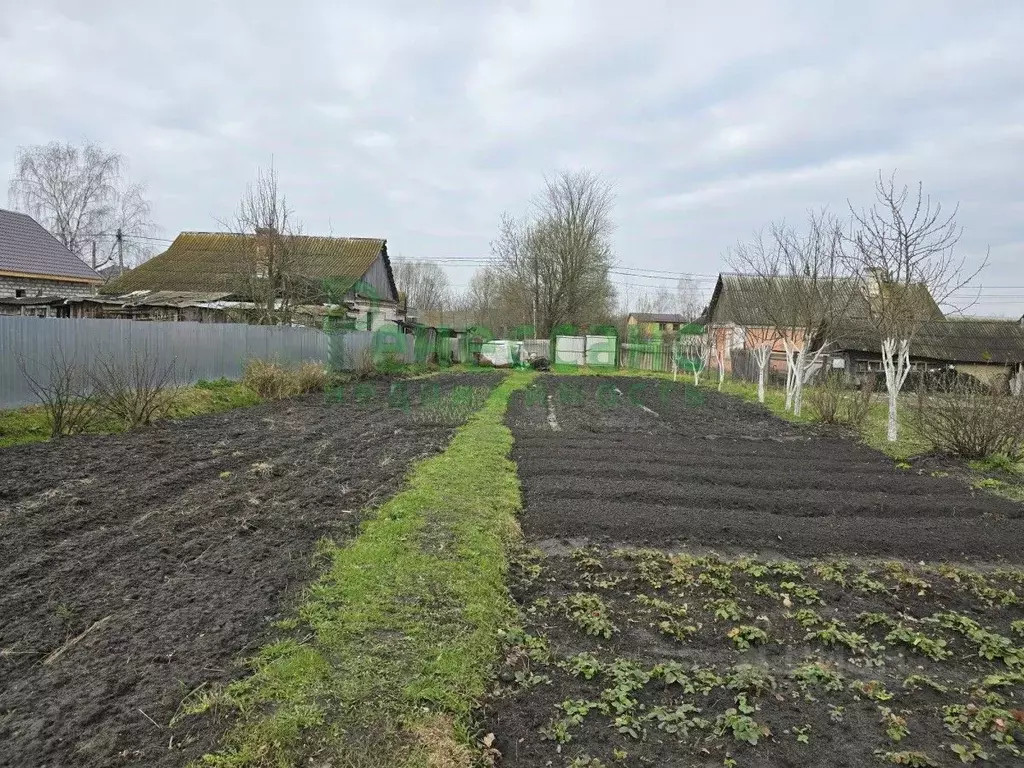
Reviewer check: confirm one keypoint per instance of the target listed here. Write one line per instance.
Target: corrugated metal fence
(199, 350)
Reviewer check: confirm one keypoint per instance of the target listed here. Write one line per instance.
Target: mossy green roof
(218, 261)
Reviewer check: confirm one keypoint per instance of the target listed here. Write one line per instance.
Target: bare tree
(558, 257)
(81, 196)
(693, 352)
(689, 302)
(761, 343)
(61, 386)
(904, 246)
(720, 363)
(426, 286)
(270, 253)
(798, 284)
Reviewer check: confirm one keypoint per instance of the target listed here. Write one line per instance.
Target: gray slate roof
(745, 299)
(955, 341)
(27, 248)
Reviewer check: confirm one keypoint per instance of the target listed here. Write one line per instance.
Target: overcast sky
(421, 122)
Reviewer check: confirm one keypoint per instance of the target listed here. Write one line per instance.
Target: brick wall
(35, 287)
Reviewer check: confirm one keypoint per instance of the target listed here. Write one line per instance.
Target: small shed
(989, 350)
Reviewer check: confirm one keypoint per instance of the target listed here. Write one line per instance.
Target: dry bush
(310, 377)
(134, 392)
(827, 398)
(366, 367)
(972, 422)
(835, 404)
(268, 380)
(273, 381)
(61, 385)
(857, 405)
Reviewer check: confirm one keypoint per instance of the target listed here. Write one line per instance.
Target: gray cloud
(423, 124)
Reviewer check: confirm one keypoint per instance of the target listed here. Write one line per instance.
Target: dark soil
(699, 468)
(157, 558)
(659, 613)
(609, 466)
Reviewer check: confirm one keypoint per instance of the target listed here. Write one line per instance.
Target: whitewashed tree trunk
(762, 355)
(1017, 382)
(805, 364)
(720, 356)
(896, 362)
(791, 372)
(700, 364)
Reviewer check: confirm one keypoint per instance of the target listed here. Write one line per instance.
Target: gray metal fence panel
(349, 348)
(201, 350)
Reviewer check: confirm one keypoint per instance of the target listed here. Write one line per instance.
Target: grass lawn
(873, 432)
(393, 644)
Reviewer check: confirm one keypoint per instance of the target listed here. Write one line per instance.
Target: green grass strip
(396, 640)
(32, 424)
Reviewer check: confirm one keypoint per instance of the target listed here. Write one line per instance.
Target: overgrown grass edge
(394, 643)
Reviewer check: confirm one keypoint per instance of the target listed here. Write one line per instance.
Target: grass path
(393, 644)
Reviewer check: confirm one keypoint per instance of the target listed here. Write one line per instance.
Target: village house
(648, 325)
(219, 277)
(37, 273)
(740, 318)
(742, 313)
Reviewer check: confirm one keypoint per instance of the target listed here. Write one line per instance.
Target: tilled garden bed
(139, 567)
(704, 584)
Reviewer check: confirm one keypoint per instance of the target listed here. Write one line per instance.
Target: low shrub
(968, 421)
(826, 398)
(310, 377)
(136, 391)
(836, 404)
(273, 381)
(268, 380)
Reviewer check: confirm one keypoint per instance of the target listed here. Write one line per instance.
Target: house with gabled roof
(741, 314)
(346, 279)
(36, 270)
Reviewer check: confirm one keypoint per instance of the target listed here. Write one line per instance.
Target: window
(19, 293)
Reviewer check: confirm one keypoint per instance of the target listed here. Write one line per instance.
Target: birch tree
(82, 197)
(797, 283)
(904, 246)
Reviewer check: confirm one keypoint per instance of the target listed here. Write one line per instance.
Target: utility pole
(94, 254)
(120, 251)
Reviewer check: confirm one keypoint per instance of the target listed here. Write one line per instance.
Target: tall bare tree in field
(426, 286)
(799, 284)
(904, 245)
(82, 197)
(268, 258)
(557, 258)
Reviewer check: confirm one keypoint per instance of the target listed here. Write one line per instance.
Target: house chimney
(266, 230)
